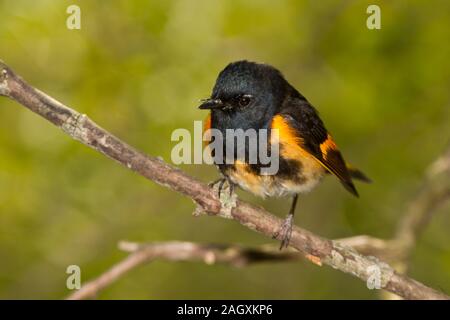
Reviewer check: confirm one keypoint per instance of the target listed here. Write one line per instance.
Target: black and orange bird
(249, 95)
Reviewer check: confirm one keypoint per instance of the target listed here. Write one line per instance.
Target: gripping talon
(285, 232)
(220, 185)
(227, 200)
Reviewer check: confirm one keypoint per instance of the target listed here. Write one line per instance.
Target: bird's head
(246, 95)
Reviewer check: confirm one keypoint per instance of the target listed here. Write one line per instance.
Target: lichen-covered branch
(233, 255)
(318, 249)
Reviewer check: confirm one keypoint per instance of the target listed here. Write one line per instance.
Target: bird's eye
(244, 100)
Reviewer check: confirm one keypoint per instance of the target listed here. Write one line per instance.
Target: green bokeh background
(138, 68)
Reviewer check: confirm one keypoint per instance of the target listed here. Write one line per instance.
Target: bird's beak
(211, 104)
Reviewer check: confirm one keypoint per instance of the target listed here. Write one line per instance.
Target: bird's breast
(293, 177)
(298, 170)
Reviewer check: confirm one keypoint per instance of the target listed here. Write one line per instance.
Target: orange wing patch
(291, 144)
(328, 145)
(288, 138)
(333, 162)
(292, 148)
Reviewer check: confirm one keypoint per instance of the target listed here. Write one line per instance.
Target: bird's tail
(357, 174)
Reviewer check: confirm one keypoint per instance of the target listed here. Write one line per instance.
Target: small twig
(210, 254)
(434, 193)
(318, 249)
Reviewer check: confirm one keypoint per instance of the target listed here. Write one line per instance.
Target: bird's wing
(304, 123)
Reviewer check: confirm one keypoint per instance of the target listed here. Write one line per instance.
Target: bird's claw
(285, 232)
(227, 199)
(222, 184)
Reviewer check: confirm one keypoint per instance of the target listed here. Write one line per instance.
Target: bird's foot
(221, 185)
(285, 232)
(225, 192)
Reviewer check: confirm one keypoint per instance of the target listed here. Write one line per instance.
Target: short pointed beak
(211, 104)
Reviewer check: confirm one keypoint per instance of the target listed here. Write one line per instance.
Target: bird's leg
(285, 230)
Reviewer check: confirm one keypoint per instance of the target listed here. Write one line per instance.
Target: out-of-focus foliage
(138, 68)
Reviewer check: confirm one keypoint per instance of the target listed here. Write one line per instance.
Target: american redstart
(249, 95)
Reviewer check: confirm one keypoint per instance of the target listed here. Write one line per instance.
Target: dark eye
(245, 100)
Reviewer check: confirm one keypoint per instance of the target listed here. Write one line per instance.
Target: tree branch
(83, 129)
(434, 192)
(233, 255)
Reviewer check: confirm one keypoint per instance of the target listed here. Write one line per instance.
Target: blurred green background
(138, 68)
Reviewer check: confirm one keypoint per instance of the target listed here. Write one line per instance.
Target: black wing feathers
(316, 140)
